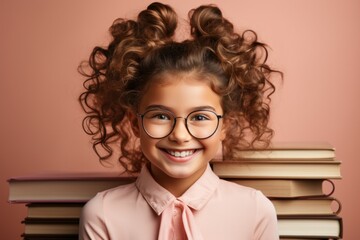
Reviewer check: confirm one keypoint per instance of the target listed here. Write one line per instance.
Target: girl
(170, 106)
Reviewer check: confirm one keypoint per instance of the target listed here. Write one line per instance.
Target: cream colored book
(322, 227)
(286, 188)
(64, 187)
(269, 169)
(291, 150)
(307, 206)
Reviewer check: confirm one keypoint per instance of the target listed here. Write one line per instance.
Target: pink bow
(178, 223)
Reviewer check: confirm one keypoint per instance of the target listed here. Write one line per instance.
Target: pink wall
(315, 43)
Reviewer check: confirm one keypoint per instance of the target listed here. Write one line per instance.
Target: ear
(133, 119)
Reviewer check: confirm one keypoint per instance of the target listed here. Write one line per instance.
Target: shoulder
(112, 195)
(236, 190)
(98, 211)
(252, 205)
(253, 198)
(110, 198)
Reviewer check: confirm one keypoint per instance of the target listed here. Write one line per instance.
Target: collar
(159, 198)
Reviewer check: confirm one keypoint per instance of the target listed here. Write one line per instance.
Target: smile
(180, 154)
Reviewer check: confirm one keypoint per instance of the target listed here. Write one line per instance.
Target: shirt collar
(159, 198)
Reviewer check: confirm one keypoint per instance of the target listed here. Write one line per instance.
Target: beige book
(74, 187)
(287, 188)
(322, 227)
(269, 169)
(291, 150)
(307, 206)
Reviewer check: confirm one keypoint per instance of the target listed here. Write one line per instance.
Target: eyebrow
(155, 106)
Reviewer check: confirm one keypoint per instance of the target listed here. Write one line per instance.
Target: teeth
(181, 153)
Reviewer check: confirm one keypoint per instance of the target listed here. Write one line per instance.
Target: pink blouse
(210, 209)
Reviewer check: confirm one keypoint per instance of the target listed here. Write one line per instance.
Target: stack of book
(54, 202)
(292, 176)
(297, 178)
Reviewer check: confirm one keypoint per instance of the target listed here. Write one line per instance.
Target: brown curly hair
(117, 76)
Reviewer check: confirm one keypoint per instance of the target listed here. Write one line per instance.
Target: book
(289, 226)
(50, 236)
(62, 187)
(290, 150)
(291, 175)
(54, 210)
(323, 227)
(286, 188)
(306, 238)
(269, 169)
(307, 206)
(50, 226)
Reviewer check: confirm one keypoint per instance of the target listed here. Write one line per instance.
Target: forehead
(180, 92)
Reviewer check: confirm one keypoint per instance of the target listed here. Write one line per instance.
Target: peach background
(315, 43)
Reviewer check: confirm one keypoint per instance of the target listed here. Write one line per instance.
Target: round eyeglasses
(159, 123)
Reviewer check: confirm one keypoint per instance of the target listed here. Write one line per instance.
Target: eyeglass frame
(186, 123)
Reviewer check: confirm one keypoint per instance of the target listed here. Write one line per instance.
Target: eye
(161, 116)
(157, 115)
(199, 117)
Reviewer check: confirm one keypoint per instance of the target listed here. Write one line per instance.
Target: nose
(180, 132)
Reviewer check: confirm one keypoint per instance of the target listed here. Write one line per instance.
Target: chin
(184, 172)
(180, 174)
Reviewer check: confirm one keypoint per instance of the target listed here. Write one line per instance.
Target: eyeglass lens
(160, 123)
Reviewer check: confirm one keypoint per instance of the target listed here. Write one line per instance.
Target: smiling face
(179, 156)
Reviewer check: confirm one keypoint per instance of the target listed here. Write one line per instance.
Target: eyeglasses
(200, 124)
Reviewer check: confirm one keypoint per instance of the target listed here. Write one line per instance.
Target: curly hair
(118, 75)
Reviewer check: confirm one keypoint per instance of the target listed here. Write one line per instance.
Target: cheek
(146, 142)
(213, 143)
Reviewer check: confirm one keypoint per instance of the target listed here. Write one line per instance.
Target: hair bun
(208, 20)
(158, 22)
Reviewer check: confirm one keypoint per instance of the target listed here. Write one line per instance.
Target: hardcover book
(270, 169)
(62, 187)
(323, 227)
(290, 150)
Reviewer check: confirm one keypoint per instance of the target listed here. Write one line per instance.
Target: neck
(176, 186)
